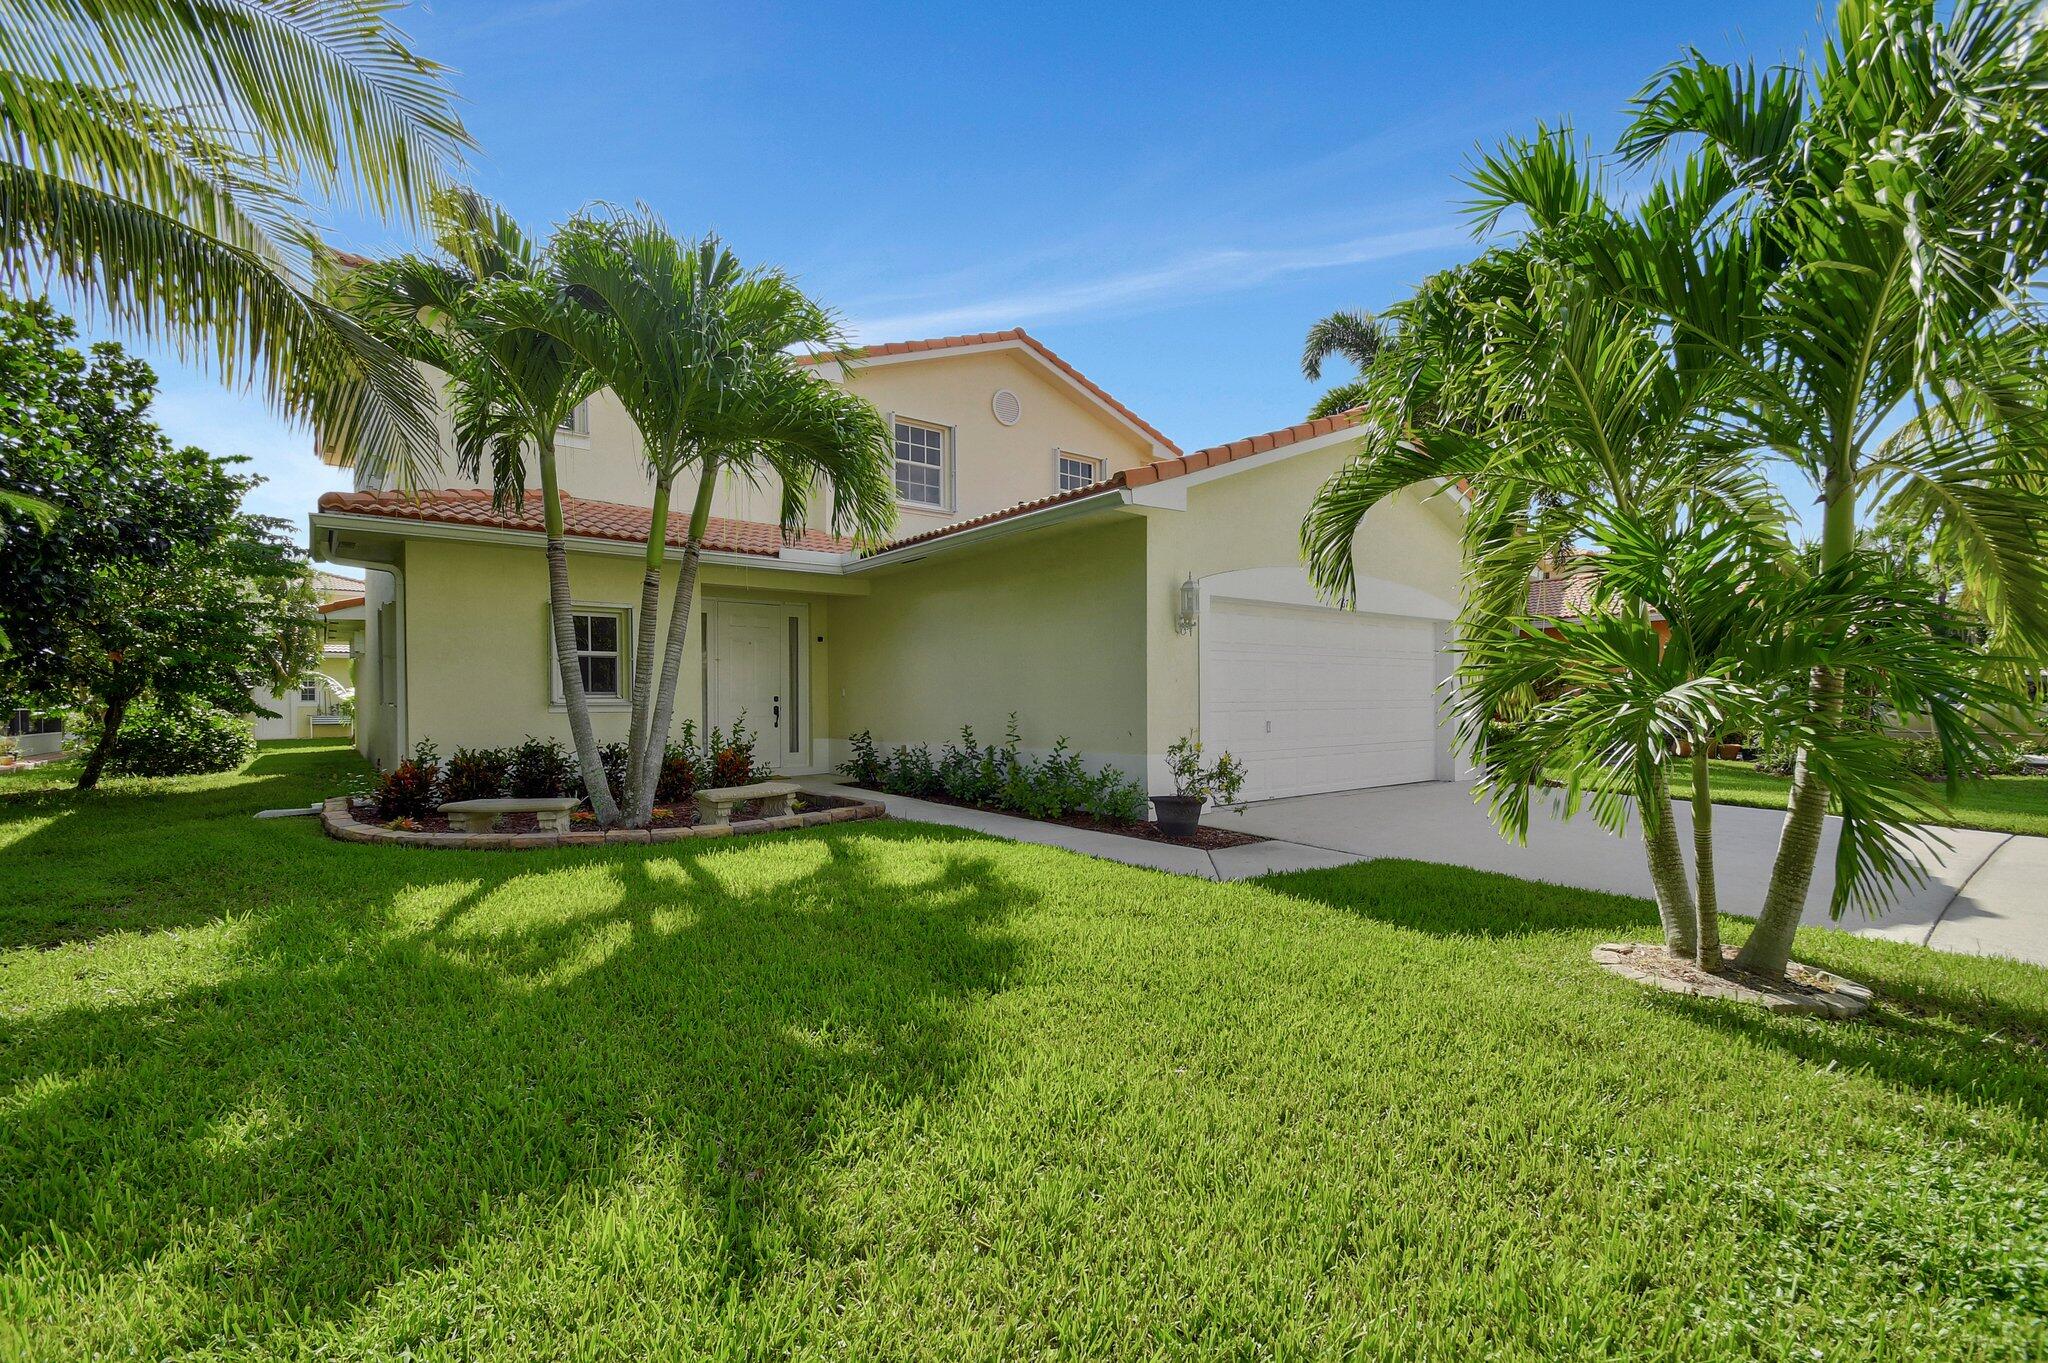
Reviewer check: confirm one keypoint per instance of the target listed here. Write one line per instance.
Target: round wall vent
(1008, 407)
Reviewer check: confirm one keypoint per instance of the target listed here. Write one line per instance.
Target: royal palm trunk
(680, 611)
(1769, 948)
(1667, 872)
(574, 698)
(643, 650)
(1707, 934)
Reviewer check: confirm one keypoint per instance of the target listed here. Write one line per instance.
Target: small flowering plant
(1220, 781)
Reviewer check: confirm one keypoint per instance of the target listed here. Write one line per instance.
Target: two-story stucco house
(1055, 556)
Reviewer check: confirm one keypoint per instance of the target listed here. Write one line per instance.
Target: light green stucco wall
(1252, 519)
(1050, 624)
(478, 658)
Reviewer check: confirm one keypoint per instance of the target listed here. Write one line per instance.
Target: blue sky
(1166, 196)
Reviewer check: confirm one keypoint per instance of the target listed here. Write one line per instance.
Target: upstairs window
(920, 463)
(1078, 470)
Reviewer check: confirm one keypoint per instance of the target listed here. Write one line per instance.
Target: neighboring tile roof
(1017, 334)
(336, 582)
(1146, 474)
(580, 517)
(340, 603)
(1562, 598)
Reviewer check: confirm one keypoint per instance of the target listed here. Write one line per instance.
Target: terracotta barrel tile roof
(1017, 334)
(581, 518)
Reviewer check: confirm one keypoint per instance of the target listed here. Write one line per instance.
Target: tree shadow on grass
(1452, 901)
(496, 1035)
(1925, 1031)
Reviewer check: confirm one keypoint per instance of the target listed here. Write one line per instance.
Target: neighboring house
(1055, 556)
(317, 705)
(1563, 590)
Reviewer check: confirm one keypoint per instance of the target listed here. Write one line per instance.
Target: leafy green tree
(151, 581)
(153, 154)
(702, 353)
(485, 312)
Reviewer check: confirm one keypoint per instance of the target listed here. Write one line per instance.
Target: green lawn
(2003, 804)
(893, 1091)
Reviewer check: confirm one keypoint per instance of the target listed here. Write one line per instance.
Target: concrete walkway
(1231, 863)
(1985, 894)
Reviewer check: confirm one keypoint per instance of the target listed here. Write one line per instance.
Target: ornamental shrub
(407, 790)
(677, 780)
(475, 774)
(998, 776)
(161, 740)
(865, 766)
(542, 769)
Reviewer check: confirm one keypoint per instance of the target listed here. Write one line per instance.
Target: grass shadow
(1452, 901)
(347, 1105)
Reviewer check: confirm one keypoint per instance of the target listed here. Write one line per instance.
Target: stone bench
(715, 806)
(480, 816)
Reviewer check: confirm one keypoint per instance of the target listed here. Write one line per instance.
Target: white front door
(1312, 699)
(755, 667)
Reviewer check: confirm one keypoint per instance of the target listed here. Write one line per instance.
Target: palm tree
(702, 353)
(1549, 380)
(1886, 219)
(151, 158)
(1356, 337)
(484, 312)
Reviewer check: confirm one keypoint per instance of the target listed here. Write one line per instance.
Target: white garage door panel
(1314, 700)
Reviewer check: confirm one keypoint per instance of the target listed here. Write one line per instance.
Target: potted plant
(1194, 785)
(8, 745)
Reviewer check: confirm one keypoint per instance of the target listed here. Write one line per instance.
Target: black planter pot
(1178, 815)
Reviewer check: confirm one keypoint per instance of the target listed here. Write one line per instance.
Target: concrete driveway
(1985, 894)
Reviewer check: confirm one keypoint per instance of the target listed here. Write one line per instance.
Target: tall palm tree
(1887, 213)
(702, 353)
(1549, 379)
(152, 157)
(1352, 336)
(485, 312)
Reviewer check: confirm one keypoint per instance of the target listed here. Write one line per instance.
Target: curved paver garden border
(340, 823)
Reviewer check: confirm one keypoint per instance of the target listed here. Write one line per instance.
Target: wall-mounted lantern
(1190, 607)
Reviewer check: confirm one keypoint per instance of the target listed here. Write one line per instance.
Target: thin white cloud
(1197, 275)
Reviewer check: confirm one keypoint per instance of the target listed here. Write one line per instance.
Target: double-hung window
(600, 634)
(578, 420)
(597, 652)
(920, 463)
(1078, 470)
(309, 692)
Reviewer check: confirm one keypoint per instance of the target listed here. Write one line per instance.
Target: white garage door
(1314, 700)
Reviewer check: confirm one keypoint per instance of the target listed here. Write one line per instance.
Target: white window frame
(947, 453)
(312, 686)
(1059, 473)
(624, 613)
(577, 427)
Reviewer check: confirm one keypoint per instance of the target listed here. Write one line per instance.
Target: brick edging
(340, 823)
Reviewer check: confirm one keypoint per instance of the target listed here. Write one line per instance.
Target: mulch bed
(665, 816)
(1805, 988)
(1206, 839)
